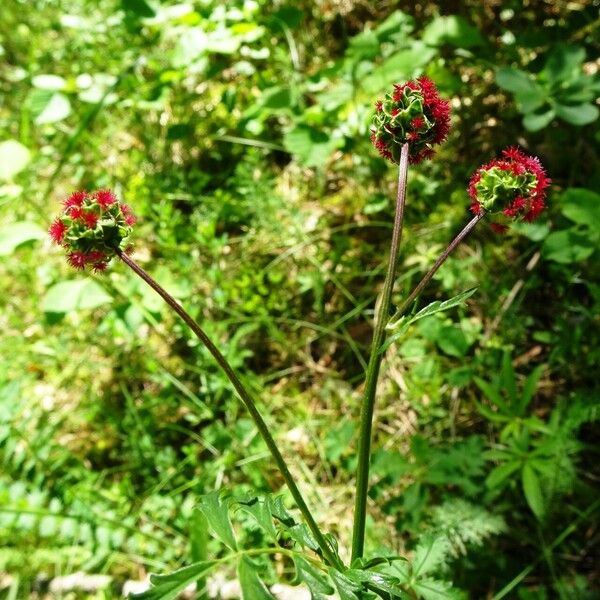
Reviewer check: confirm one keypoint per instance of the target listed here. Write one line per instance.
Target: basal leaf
(568, 246)
(581, 206)
(75, 294)
(581, 114)
(514, 80)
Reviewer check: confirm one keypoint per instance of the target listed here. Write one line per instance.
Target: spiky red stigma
(91, 228)
(513, 186)
(413, 113)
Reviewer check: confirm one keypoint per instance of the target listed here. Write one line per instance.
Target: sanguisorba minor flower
(413, 113)
(511, 187)
(92, 227)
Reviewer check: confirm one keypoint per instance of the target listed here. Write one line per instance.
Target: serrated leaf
(346, 588)
(429, 555)
(216, 511)
(316, 581)
(75, 294)
(14, 157)
(14, 235)
(168, 587)
(252, 587)
(280, 512)
(261, 511)
(376, 581)
(533, 490)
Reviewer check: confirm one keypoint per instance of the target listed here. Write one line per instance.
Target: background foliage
(239, 134)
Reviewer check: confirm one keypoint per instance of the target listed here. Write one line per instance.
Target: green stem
(438, 263)
(368, 402)
(248, 402)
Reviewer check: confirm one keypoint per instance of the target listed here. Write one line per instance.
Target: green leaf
(216, 511)
(301, 534)
(312, 146)
(16, 234)
(261, 511)
(199, 543)
(252, 587)
(581, 206)
(497, 477)
(168, 587)
(453, 30)
(529, 388)
(564, 62)
(348, 589)
(533, 490)
(140, 8)
(400, 323)
(75, 294)
(401, 65)
(452, 340)
(49, 107)
(316, 581)
(509, 381)
(429, 555)
(581, 114)
(14, 157)
(537, 121)
(568, 246)
(515, 80)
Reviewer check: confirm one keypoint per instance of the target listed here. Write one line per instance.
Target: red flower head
(413, 113)
(513, 186)
(92, 228)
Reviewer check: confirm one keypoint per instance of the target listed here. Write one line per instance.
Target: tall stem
(248, 402)
(438, 263)
(368, 401)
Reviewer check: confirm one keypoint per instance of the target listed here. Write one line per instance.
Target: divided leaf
(168, 587)
(216, 511)
(252, 587)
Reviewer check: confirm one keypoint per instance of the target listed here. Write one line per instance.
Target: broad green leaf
(568, 246)
(452, 341)
(315, 579)
(429, 555)
(453, 30)
(515, 80)
(533, 490)
(216, 511)
(398, 23)
(49, 82)
(581, 206)
(261, 511)
(301, 534)
(401, 65)
(50, 107)
(564, 62)
(252, 587)
(582, 114)
(312, 146)
(168, 587)
(14, 157)
(501, 473)
(75, 294)
(537, 121)
(14, 235)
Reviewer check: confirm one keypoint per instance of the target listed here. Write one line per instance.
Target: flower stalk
(248, 401)
(368, 401)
